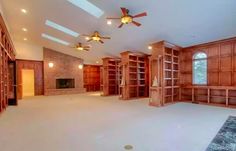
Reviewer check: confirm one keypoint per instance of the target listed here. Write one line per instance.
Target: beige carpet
(88, 122)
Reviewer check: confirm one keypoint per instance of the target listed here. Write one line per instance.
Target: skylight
(55, 39)
(88, 7)
(61, 28)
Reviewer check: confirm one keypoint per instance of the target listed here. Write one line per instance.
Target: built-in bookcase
(6, 55)
(164, 67)
(134, 69)
(216, 95)
(111, 76)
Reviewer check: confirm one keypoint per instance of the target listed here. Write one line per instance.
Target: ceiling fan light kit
(126, 19)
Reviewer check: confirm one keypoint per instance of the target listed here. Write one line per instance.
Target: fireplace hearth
(65, 83)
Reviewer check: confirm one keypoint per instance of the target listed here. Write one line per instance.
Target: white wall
(27, 51)
(1, 10)
(4, 17)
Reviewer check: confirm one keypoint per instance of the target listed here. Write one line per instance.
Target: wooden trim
(211, 43)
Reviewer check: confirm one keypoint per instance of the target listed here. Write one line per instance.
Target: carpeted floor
(88, 122)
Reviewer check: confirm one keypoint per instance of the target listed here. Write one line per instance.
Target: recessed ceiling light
(97, 62)
(25, 39)
(61, 28)
(24, 11)
(87, 38)
(88, 7)
(109, 22)
(24, 29)
(55, 39)
(150, 47)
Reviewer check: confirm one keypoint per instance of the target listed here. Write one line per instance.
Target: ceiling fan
(96, 37)
(126, 18)
(80, 47)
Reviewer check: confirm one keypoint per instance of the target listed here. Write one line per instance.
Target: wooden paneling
(221, 62)
(221, 73)
(37, 66)
(92, 78)
(213, 79)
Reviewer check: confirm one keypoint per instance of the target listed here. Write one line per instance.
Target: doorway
(12, 92)
(27, 82)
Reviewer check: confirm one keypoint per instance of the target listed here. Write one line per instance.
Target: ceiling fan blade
(89, 40)
(136, 23)
(86, 49)
(86, 35)
(113, 18)
(105, 37)
(121, 25)
(140, 15)
(124, 11)
(101, 41)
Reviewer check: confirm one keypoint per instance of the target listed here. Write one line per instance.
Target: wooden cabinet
(164, 73)
(110, 76)
(134, 79)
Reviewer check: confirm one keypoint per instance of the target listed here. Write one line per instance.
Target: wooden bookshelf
(92, 78)
(164, 66)
(134, 71)
(110, 76)
(6, 55)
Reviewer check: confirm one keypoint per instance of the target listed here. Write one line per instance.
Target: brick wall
(65, 66)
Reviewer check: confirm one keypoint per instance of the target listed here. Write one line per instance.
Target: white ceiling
(183, 22)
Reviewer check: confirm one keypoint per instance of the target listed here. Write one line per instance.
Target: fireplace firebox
(65, 83)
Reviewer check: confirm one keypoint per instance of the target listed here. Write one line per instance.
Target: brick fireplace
(61, 73)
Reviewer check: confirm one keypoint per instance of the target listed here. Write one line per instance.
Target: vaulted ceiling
(183, 22)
